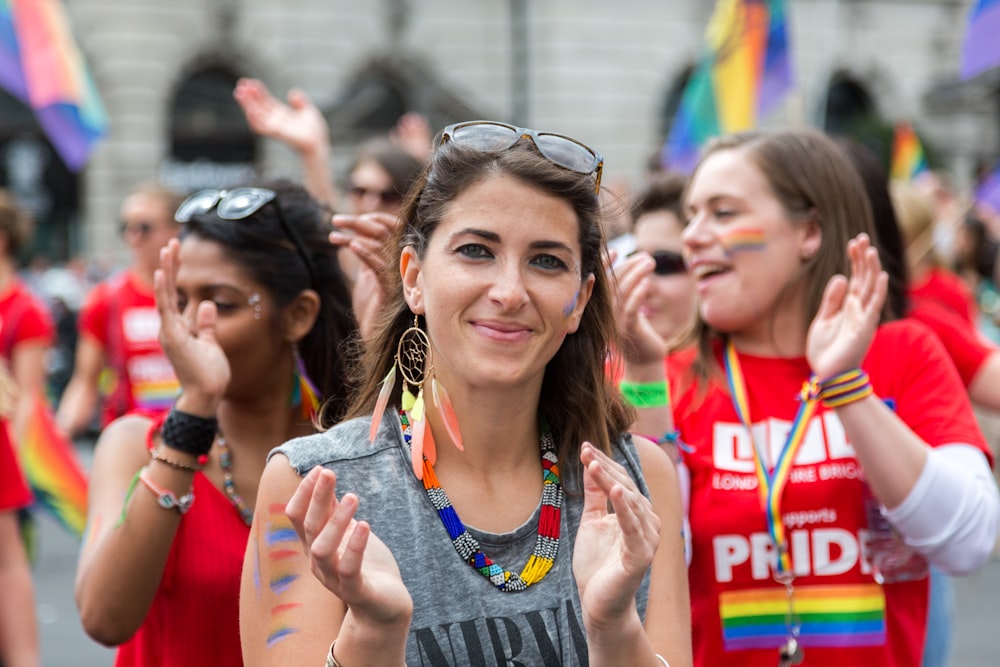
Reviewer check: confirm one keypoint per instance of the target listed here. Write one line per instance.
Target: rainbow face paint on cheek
(571, 306)
(742, 239)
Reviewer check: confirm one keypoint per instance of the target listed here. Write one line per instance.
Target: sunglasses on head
(239, 204)
(385, 197)
(143, 229)
(489, 136)
(668, 263)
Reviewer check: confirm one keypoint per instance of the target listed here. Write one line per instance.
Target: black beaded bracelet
(188, 433)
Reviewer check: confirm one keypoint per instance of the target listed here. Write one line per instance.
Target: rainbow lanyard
(770, 484)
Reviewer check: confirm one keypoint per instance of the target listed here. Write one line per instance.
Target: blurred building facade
(608, 73)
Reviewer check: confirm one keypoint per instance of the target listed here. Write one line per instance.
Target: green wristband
(645, 394)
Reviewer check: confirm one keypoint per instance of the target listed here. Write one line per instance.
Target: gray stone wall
(594, 69)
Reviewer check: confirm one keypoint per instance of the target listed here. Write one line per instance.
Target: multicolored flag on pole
(981, 50)
(41, 65)
(908, 159)
(743, 73)
(56, 477)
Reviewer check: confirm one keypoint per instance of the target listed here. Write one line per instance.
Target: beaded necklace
(226, 463)
(546, 543)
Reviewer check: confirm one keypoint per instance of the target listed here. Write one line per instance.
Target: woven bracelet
(645, 394)
(189, 433)
(839, 390)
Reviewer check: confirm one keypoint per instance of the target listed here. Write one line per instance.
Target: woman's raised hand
(613, 550)
(344, 554)
(298, 123)
(199, 362)
(842, 331)
(366, 237)
(641, 343)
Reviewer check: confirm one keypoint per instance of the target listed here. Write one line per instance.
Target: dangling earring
(412, 354)
(304, 391)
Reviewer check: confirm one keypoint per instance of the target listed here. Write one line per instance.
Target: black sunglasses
(240, 204)
(386, 197)
(489, 136)
(668, 263)
(143, 229)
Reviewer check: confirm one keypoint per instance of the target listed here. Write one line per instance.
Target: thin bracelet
(166, 498)
(662, 660)
(331, 661)
(156, 455)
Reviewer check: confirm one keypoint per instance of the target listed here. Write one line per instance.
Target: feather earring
(383, 400)
(304, 391)
(413, 361)
(443, 403)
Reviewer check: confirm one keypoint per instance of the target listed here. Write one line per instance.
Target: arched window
(849, 110)
(211, 145)
(35, 174)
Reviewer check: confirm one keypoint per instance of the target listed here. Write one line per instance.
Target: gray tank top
(459, 618)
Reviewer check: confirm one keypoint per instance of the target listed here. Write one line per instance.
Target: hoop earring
(415, 363)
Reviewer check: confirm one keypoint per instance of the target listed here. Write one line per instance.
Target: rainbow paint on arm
(282, 546)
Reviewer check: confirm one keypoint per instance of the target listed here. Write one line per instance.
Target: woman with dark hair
(256, 321)
(495, 434)
(832, 453)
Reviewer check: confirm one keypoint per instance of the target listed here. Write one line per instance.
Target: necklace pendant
(790, 653)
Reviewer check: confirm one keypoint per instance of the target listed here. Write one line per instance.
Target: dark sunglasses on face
(142, 229)
(240, 204)
(489, 136)
(668, 262)
(386, 197)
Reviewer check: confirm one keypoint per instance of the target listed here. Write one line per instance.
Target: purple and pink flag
(41, 65)
(981, 50)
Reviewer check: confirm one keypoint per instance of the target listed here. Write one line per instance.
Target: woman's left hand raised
(842, 331)
(344, 554)
(613, 550)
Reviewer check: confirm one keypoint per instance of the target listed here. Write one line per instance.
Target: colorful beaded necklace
(546, 543)
(226, 463)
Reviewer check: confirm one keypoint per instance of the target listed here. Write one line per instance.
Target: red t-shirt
(967, 350)
(194, 618)
(120, 314)
(23, 318)
(738, 610)
(14, 492)
(948, 291)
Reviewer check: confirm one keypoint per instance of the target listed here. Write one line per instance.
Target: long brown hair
(577, 401)
(813, 179)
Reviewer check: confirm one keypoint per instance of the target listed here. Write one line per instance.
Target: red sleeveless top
(194, 619)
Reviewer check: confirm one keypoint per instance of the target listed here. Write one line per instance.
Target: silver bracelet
(331, 661)
(658, 657)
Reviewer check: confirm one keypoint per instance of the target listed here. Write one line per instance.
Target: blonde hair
(915, 213)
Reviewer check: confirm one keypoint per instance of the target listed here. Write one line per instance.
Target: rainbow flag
(908, 159)
(831, 616)
(981, 50)
(743, 73)
(52, 469)
(41, 65)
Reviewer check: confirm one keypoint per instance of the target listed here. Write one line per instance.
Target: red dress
(194, 618)
(14, 492)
